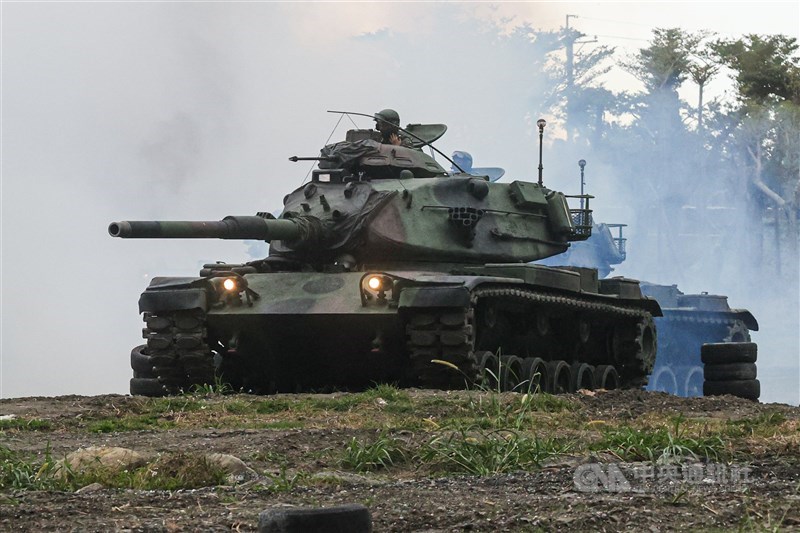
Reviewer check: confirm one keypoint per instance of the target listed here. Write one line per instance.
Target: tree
(764, 66)
(763, 139)
(666, 63)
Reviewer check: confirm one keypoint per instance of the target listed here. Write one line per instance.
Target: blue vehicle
(688, 321)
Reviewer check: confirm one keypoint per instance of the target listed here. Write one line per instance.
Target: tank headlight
(229, 284)
(376, 287)
(375, 283)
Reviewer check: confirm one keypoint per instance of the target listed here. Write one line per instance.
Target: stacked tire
(730, 368)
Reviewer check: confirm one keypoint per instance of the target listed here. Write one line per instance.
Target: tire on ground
(748, 388)
(352, 518)
(147, 387)
(730, 371)
(728, 352)
(141, 363)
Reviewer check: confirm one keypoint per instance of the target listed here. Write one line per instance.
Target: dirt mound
(419, 460)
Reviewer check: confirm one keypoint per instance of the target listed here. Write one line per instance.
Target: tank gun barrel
(230, 227)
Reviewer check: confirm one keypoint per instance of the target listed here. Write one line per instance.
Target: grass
(220, 386)
(479, 432)
(23, 424)
(763, 425)
(19, 473)
(489, 452)
(660, 445)
(365, 456)
(284, 481)
(168, 472)
(130, 423)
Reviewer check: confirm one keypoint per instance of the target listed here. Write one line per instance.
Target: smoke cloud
(190, 111)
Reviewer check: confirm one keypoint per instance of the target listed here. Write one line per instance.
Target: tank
(384, 267)
(688, 320)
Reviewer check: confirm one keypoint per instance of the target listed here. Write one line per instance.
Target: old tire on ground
(728, 352)
(730, 371)
(534, 370)
(606, 377)
(354, 518)
(582, 377)
(664, 380)
(147, 387)
(748, 388)
(140, 361)
(558, 377)
(510, 372)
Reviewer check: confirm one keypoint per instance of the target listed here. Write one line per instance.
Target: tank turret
(397, 202)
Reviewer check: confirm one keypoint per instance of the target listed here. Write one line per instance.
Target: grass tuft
(489, 452)
(22, 424)
(365, 456)
(660, 445)
(20, 474)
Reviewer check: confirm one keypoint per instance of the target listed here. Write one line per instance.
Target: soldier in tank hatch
(387, 122)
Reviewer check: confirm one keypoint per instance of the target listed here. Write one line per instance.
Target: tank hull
(688, 322)
(428, 328)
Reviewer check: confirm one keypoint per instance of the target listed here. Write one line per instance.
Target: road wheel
(730, 371)
(534, 369)
(728, 352)
(693, 383)
(489, 368)
(558, 376)
(510, 372)
(749, 388)
(606, 377)
(582, 377)
(663, 380)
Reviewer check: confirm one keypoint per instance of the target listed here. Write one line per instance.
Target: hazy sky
(133, 110)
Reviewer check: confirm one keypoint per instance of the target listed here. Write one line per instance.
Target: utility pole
(569, 41)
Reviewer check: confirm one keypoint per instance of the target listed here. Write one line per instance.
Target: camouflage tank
(387, 268)
(688, 321)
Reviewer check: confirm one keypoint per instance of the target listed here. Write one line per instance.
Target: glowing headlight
(229, 284)
(375, 283)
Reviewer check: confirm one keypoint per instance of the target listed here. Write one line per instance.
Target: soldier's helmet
(385, 118)
(463, 160)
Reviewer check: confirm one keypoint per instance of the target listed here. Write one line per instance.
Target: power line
(618, 22)
(624, 38)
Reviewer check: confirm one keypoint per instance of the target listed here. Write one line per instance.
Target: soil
(409, 496)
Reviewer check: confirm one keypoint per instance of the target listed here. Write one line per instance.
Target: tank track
(177, 352)
(634, 358)
(438, 340)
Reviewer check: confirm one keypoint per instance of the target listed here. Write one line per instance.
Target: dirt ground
(294, 445)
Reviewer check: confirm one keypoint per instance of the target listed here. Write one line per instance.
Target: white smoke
(189, 111)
